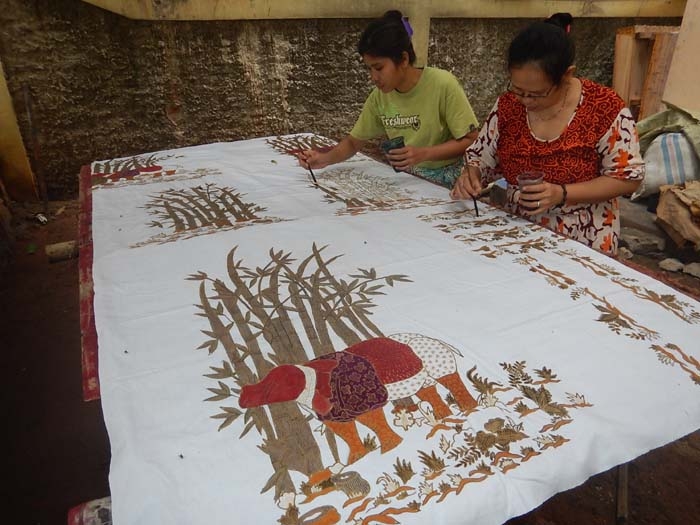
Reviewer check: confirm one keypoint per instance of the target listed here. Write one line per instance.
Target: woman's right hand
(468, 185)
(312, 159)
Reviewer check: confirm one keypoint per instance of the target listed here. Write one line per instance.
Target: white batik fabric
(362, 349)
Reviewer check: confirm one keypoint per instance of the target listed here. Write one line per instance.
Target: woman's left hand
(404, 158)
(535, 199)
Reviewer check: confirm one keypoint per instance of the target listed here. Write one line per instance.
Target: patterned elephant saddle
(356, 383)
(355, 387)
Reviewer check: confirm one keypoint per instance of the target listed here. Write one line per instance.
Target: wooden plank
(631, 59)
(625, 47)
(657, 73)
(684, 74)
(652, 31)
(643, 56)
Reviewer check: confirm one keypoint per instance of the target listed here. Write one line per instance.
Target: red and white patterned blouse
(599, 140)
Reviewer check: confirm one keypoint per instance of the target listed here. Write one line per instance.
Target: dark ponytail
(563, 20)
(388, 37)
(546, 43)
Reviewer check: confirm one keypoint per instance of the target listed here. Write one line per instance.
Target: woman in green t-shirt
(425, 106)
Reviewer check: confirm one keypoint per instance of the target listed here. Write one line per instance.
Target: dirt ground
(59, 454)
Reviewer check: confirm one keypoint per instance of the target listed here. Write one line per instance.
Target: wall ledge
(279, 9)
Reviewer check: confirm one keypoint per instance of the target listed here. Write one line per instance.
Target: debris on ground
(641, 242)
(671, 265)
(692, 269)
(60, 251)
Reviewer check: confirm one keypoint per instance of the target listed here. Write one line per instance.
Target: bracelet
(564, 196)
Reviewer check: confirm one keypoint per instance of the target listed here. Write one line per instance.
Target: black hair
(547, 43)
(387, 37)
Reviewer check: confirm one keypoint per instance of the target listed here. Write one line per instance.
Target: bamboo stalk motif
(199, 207)
(270, 315)
(137, 162)
(199, 210)
(292, 145)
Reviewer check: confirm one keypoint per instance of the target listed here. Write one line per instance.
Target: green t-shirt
(434, 111)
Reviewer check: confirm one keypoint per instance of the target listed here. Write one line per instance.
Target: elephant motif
(355, 384)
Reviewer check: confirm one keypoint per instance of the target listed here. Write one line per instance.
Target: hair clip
(407, 26)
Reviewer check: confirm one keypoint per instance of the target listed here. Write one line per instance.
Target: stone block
(692, 269)
(641, 242)
(671, 265)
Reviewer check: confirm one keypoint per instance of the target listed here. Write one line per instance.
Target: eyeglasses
(520, 94)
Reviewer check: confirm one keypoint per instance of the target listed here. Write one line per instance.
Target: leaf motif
(228, 418)
(221, 393)
(652, 295)
(510, 435)
(608, 318)
(248, 427)
(273, 479)
(208, 344)
(221, 373)
(269, 295)
(545, 373)
(218, 397)
(521, 408)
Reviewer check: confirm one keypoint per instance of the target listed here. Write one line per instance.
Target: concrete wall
(475, 51)
(105, 86)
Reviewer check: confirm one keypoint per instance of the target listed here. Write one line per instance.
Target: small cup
(530, 177)
(395, 143)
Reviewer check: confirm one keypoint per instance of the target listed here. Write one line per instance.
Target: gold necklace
(556, 113)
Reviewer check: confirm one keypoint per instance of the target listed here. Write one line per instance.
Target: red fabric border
(88, 332)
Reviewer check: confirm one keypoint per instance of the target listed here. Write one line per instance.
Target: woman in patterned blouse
(577, 133)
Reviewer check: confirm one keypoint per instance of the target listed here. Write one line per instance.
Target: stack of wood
(642, 63)
(678, 213)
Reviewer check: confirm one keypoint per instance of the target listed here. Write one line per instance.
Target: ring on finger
(538, 204)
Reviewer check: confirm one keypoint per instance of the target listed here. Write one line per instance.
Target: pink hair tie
(407, 26)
